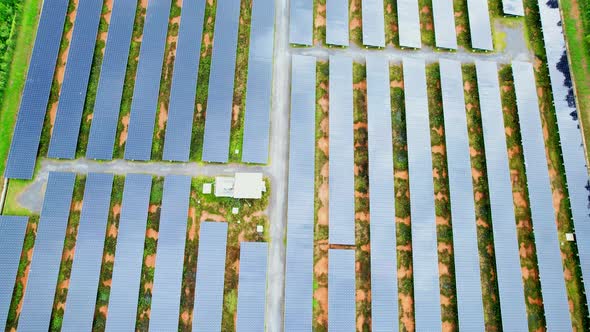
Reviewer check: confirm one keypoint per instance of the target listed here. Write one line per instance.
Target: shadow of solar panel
(129, 253)
(444, 24)
(112, 79)
(513, 7)
(49, 243)
(342, 290)
(373, 23)
(479, 25)
(29, 123)
(64, 139)
(510, 287)
(259, 86)
(301, 22)
(409, 23)
(11, 244)
(252, 286)
(555, 300)
(184, 82)
(337, 22)
(210, 277)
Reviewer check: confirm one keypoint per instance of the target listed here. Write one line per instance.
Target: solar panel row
(373, 23)
(300, 210)
(49, 242)
(81, 298)
(409, 23)
(221, 82)
(29, 123)
(479, 25)
(341, 152)
(252, 286)
(11, 245)
(444, 24)
(184, 82)
(341, 290)
(337, 22)
(384, 303)
(301, 22)
(512, 302)
(424, 245)
(555, 300)
(147, 81)
(467, 271)
(64, 139)
(259, 86)
(112, 79)
(513, 7)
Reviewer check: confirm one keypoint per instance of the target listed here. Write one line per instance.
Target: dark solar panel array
(81, 299)
(467, 271)
(510, 287)
(444, 24)
(301, 22)
(300, 208)
(252, 286)
(382, 199)
(49, 242)
(337, 22)
(11, 245)
(184, 82)
(555, 300)
(221, 82)
(210, 277)
(424, 245)
(29, 123)
(513, 7)
(341, 290)
(259, 86)
(165, 306)
(64, 139)
(373, 23)
(341, 166)
(112, 78)
(129, 253)
(409, 23)
(479, 25)
(147, 81)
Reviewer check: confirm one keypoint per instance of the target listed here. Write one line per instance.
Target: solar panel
(444, 24)
(467, 270)
(64, 139)
(301, 22)
(184, 82)
(29, 123)
(252, 286)
(555, 299)
(300, 198)
(424, 245)
(210, 277)
(259, 86)
(409, 23)
(513, 7)
(384, 303)
(40, 290)
(81, 299)
(337, 22)
(147, 81)
(512, 302)
(373, 23)
(479, 25)
(11, 245)
(129, 253)
(165, 306)
(341, 166)
(112, 79)
(342, 290)
(221, 82)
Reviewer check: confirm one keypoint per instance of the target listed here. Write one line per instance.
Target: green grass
(11, 206)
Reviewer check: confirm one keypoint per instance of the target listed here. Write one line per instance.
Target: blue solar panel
(210, 277)
(252, 286)
(81, 300)
(512, 302)
(49, 243)
(479, 25)
(64, 139)
(184, 82)
(259, 86)
(300, 198)
(129, 253)
(444, 24)
(409, 23)
(29, 123)
(467, 271)
(341, 290)
(513, 7)
(11, 245)
(170, 254)
(373, 23)
(147, 81)
(424, 245)
(112, 78)
(555, 301)
(341, 181)
(301, 22)
(384, 310)
(337, 22)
